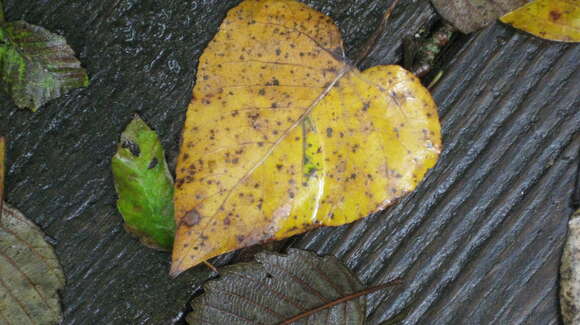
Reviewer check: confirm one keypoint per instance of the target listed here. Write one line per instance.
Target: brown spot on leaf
(329, 132)
(153, 163)
(132, 146)
(191, 218)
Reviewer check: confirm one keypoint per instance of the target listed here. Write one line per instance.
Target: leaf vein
(233, 294)
(279, 294)
(32, 284)
(20, 304)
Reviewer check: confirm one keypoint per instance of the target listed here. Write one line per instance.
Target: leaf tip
(176, 268)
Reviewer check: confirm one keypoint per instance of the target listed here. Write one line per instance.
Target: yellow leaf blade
(391, 139)
(257, 82)
(557, 20)
(282, 136)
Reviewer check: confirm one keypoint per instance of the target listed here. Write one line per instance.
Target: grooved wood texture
(477, 243)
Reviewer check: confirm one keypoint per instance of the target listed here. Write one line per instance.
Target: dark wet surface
(478, 242)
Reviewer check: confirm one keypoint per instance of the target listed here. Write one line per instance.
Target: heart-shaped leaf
(282, 135)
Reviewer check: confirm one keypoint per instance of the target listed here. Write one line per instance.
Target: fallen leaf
(2, 168)
(30, 274)
(471, 15)
(144, 186)
(36, 65)
(556, 20)
(283, 136)
(570, 273)
(298, 288)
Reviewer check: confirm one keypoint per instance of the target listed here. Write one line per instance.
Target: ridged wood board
(478, 242)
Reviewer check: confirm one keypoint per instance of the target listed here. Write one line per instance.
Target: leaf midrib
(341, 73)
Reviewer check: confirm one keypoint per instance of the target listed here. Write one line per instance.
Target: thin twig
(435, 80)
(211, 266)
(341, 300)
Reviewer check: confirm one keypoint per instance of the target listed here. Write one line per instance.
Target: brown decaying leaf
(36, 65)
(298, 288)
(30, 274)
(282, 135)
(471, 15)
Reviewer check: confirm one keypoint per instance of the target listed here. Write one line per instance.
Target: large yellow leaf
(557, 20)
(282, 135)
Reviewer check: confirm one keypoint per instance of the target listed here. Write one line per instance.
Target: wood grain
(479, 242)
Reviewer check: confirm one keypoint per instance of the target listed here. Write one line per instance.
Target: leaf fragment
(570, 273)
(556, 20)
(30, 274)
(283, 136)
(2, 168)
(471, 15)
(298, 288)
(144, 186)
(36, 65)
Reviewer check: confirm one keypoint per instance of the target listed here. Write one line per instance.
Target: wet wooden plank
(478, 242)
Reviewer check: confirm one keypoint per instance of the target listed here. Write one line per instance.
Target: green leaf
(36, 65)
(298, 288)
(30, 274)
(144, 186)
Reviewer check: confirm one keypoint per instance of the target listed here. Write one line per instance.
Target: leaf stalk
(341, 300)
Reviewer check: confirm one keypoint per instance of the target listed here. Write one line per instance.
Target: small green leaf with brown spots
(144, 186)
